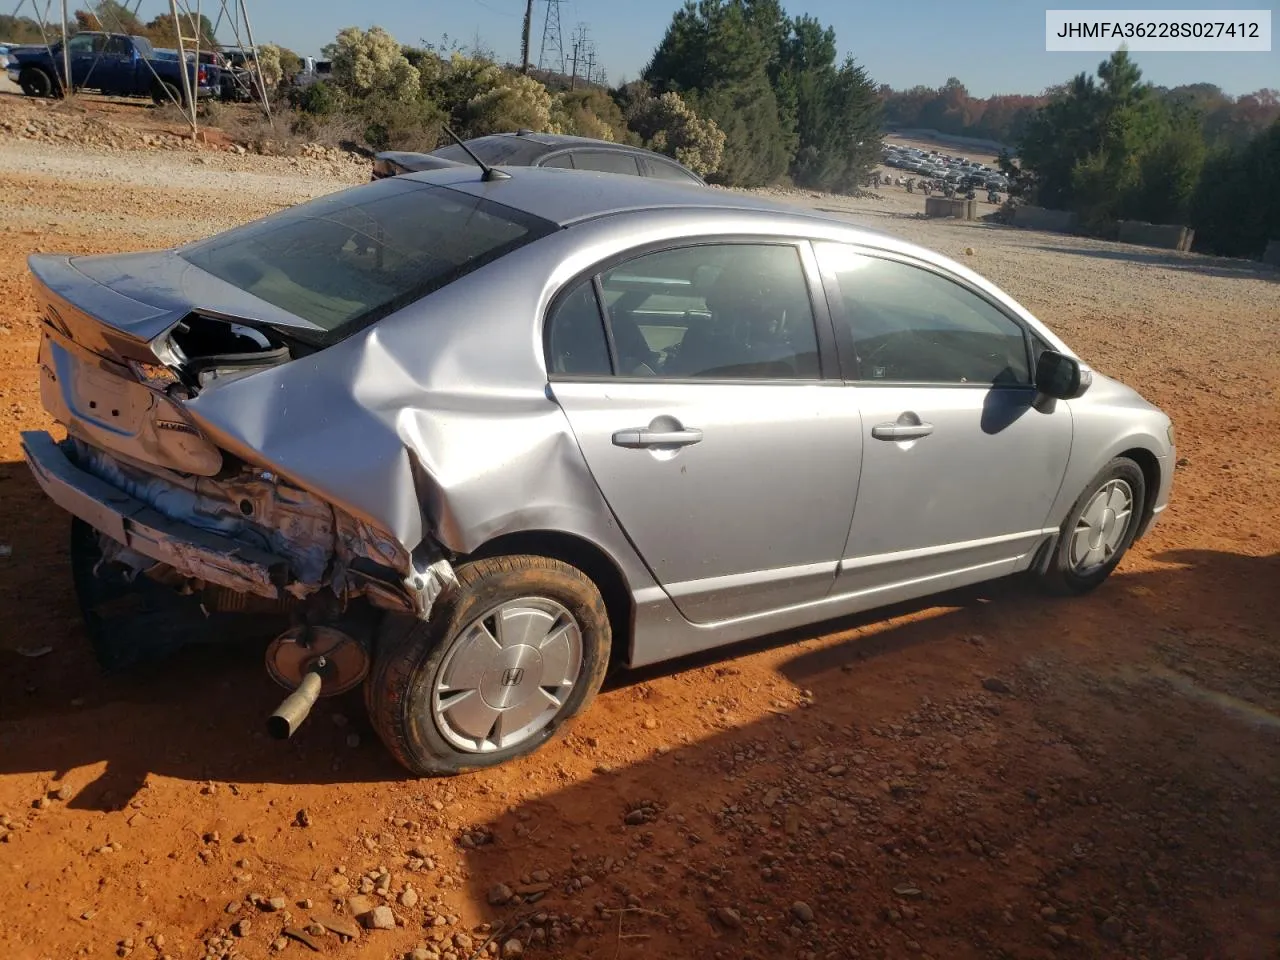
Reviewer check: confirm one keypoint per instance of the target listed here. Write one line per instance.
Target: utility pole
(573, 79)
(67, 86)
(591, 63)
(524, 37)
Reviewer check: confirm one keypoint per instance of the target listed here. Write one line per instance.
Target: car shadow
(981, 779)
(197, 714)
(1205, 264)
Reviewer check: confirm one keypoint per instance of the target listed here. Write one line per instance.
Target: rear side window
(343, 261)
(606, 161)
(576, 343)
(661, 170)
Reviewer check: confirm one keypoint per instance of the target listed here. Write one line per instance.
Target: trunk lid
(127, 339)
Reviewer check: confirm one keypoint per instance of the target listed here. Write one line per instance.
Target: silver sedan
(471, 439)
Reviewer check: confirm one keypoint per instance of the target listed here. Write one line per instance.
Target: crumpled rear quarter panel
(439, 415)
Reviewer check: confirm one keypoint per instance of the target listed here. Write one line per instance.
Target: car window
(119, 47)
(908, 324)
(662, 170)
(737, 311)
(606, 161)
(576, 344)
(563, 160)
(84, 44)
(498, 149)
(346, 259)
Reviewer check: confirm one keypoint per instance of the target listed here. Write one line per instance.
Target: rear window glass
(497, 150)
(345, 260)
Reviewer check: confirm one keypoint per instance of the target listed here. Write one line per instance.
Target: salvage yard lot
(988, 774)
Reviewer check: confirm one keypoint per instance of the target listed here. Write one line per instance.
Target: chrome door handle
(901, 431)
(641, 437)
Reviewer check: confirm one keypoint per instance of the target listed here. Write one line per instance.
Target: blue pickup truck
(111, 63)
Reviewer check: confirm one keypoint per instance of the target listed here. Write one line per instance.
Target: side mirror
(1060, 376)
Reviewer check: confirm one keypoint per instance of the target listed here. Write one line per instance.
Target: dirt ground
(989, 774)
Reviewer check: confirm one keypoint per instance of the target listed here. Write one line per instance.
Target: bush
(512, 103)
(589, 113)
(391, 124)
(370, 62)
(321, 99)
(668, 125)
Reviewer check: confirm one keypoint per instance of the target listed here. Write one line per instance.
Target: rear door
(113, 72)
(961, 464)
(703, 413)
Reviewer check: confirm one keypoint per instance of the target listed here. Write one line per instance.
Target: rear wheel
(519, 648)
(1099, 529)
(35, 82)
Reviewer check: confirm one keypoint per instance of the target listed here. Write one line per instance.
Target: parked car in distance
(528, 149)
(313, 71)
(111, 63)
(482, 437)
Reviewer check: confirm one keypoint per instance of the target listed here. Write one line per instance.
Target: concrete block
(1164, 236)
(943, 207)
(1042, 218)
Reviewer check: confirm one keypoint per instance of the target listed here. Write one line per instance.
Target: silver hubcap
(1101, 527)
(507, 675)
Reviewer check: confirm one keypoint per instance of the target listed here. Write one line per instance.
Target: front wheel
(1099, 529)
(518, 648)
(35, 82)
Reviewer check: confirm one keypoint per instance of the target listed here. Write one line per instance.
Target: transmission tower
(551, 56)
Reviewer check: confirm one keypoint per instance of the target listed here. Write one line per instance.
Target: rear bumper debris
(198, 554)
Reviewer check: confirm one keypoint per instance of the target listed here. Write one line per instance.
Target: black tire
(35, 82)
(1063, 576)
(408, 660)
(165, 92)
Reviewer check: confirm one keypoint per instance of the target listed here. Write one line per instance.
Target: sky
(992, 46)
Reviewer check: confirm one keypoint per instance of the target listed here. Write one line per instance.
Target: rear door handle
(901, 431)
(641, 437)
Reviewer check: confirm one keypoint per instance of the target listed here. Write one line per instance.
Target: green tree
(162, 33)
(1236, 206)
(1169, 169)
(116, 17)
(22, 29)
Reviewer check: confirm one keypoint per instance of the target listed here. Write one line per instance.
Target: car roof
(559, 140)
(566, 197)
(536, 145)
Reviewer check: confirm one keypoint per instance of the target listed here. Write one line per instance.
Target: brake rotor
(289, 658)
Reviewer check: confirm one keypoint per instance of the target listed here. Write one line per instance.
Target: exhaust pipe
(284, 723)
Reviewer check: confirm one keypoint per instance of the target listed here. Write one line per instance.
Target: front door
(702, 412)
(961, 464)
(83, 50)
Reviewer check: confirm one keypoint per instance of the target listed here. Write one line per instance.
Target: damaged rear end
(159, 504)
(227, 451)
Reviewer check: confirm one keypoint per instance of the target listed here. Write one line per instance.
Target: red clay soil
(992, 774)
